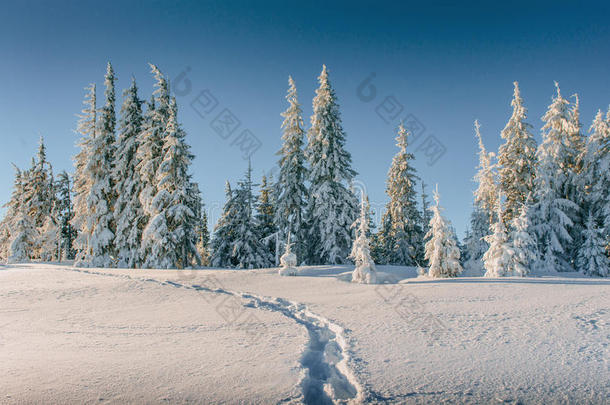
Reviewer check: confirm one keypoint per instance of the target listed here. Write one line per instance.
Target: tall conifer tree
(332, 205)
(401, 233)
(291, 190)
(516, 159)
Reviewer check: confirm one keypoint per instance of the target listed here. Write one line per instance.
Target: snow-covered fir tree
(39, 195)
(50, 240)
(475, 243)
(128, 213)
(365, 271)
(552, 212)
(573, 189)
(592, 259)
(604, 184)
(221, 245)
(65, 212)
(203, 240)
(5, 240)
(169, 237)
(486, 194)
(575, 145)
(265, 217)
(595, 179)
(202, 235)
(40, 188)
(499, 256)
(442, 252)
(101, 196)
(290, 186)
(484, 210)
(23, 243)
(150, 144)
(401, 234)
(523, 243)
(516, 159)
(98, 189)
(332, 207)
(24, 234)
(248, 250)
(87, 127)
(13, 209)
(426, 215)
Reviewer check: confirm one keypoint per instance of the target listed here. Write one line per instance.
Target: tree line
(134, 203)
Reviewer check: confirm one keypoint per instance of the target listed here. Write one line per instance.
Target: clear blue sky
(446, 64)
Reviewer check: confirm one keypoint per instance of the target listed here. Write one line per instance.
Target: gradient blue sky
(445, 63)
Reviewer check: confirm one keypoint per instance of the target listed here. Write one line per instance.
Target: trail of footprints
(328, 378)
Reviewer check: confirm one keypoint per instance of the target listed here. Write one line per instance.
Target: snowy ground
(218, 336)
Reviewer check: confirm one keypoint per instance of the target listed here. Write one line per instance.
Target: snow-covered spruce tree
(498, 258)
(265, 217)
(150, 144)
(65, 212)
(475, 242)
(523, 242)
(128, 213)
(170, 238)
(332, 206)
(24, 235)
(100, 199)
(87, 127)
(203, 240)
(221, 245)
(50, 240)
(484, 211)
(592, 259)
(24, 240)
(573, 189)
(13, 208)
(248, 250)
(516, 159)
(442, 252)
(401, 233)
(486, 194)
(425, 209)
(40, 187)
(39, 194)
(553, 212)
(201, 223)
(476, 246)
(5, 240)
(461, 247)
(595, 178)
(575, 144)
(604, 185)
(290, 186)
(370, 230)
(365, 271)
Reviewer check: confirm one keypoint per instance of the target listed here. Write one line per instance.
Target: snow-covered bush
(288, 261)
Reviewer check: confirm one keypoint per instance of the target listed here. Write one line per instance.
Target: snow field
(149, 335)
